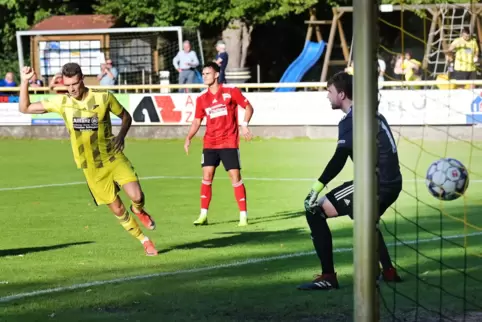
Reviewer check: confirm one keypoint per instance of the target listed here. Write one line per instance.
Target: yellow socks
(130, 224)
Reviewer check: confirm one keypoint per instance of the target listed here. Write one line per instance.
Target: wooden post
(479, 31)
(309, 32)
(473, 20)
(319, 37)
(106, 46)
(329, 47)
(35, 59)
(433, 25)
(344, 44)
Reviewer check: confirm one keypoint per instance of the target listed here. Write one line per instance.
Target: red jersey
(221, 112)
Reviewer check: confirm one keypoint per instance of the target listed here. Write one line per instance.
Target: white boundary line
(73, 287)
(52, 185)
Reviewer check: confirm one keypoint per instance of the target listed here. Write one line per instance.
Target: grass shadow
(29, 250)
(236, 238)
(257, 220)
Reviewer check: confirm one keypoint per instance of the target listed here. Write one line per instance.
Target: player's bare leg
(131, 226)
(240, 195)
(135, 194)
(206, 194)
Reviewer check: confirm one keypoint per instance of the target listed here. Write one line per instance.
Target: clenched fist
(27, 73)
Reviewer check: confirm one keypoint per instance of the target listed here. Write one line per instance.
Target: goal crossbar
(96, 31)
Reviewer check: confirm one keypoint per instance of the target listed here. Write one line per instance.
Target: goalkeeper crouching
(339, 201)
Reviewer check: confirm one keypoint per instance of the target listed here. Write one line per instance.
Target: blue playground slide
(309, 56)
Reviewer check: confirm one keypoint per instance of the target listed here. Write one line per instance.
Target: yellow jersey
(408, 66)
(89, 125)
(465, 52)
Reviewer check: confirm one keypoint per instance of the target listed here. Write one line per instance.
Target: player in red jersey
(219, 105)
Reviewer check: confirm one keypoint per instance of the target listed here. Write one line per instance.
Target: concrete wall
(435, 133)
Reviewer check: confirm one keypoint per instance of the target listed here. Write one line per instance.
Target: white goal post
(139, 54)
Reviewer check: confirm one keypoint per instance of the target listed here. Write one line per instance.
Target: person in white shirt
(185, 63)
(382, 67)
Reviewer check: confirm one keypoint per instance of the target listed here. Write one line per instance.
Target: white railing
(251, 86)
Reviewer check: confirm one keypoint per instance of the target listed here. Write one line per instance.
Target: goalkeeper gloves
(310, 200)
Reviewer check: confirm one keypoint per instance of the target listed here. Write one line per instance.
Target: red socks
(206, 194)
(240, 194)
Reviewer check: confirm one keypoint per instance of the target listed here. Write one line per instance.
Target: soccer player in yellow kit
(86, 113)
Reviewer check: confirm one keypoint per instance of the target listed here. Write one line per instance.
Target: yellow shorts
(105, 183)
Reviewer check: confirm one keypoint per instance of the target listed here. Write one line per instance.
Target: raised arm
(24, 105)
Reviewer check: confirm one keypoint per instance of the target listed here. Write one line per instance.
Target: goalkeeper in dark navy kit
(339, 201)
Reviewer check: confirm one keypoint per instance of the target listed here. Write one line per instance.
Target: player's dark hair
(466, 30)
(212, 65)
(71, 70)
(343, 82)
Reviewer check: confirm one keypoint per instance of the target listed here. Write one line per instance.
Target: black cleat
(321, 282)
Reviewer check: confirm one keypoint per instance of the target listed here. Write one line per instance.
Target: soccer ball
(447, 179)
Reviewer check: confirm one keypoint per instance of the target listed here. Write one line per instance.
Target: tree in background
(18, 15)
(236, 18)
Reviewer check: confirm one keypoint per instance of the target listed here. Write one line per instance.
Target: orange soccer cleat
(149, 248)
(145, 219)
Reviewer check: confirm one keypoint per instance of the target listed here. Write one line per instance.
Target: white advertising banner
(400, 107)
(9, 115)
(430, 107)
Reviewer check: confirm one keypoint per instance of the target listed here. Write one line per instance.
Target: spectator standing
(409, 67)
(185, 63)
(221, 60)
(108, 74)
(466, 56)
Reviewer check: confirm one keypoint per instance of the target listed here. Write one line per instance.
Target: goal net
(138, 54)
(436, 244)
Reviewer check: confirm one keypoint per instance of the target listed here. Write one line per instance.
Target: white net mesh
(139, 57)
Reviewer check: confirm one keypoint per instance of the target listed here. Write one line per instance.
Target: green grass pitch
(54, 237)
